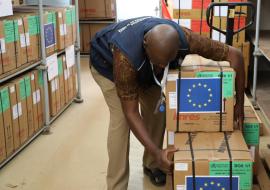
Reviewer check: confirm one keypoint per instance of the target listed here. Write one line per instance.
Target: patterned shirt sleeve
(125, 76)
(206, 47)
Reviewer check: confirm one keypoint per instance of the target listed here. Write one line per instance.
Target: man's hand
(163, 161)
(235, 58)
(238, 116)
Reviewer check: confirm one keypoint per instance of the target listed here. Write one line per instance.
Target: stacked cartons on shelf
(94, 16)
(22, 89)
(89, 9)
(62, 88)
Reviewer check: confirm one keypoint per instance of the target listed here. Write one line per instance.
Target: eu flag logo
(212, 183)
(199, 95)
(49, 35)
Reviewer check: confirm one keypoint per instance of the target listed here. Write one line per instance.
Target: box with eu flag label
(216, 161)
(204, 101)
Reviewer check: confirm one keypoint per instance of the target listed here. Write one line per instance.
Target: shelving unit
(41, 64)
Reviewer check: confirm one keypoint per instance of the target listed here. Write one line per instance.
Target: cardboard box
(196, 9)
(70, 84)
(200, 96)
(29, 103)
(251, 128)
(211, 165)
(61, 81)
(69, 27)
(69, 90)
(57, 94)
(5, 101)
(197, 26)
(223, 11)
(8, 37)
(88, 32)
(35, 102)
(22, 108)
(34, 33)
(61, 27)
(39, 96)
(14, 116)
(66, 79)
(52, 97)
(3, 154)
(221, 23)
(86, 37)
(50, 26)
(23, 40)
(97, 9)
(64, 30)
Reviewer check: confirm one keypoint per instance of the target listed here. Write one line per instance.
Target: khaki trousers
(118, 133)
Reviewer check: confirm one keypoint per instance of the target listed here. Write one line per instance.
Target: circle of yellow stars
(200, 104)
(212, 183)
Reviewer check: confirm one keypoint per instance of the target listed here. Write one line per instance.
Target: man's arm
(235, 58)
(127, 89)
(218, 51)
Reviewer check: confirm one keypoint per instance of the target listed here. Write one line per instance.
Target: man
(128, 61)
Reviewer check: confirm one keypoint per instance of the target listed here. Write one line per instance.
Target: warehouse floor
(73, 156)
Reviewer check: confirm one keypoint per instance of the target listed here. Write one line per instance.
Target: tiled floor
(73, 156)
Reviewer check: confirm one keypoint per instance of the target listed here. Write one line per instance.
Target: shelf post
(44, 71)
(78, 98)
(256, 52)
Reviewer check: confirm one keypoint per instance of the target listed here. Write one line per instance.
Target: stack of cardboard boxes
(192, 14)
(211, 154)
(94, 15)
(62, 87)
(22, 97)
(20, 36)
(21, 111)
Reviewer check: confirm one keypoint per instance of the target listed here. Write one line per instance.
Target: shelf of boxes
(94, 15)
(34, 68)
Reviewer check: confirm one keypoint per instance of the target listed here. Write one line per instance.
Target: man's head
(161, 44)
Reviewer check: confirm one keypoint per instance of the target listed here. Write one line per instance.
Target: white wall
(136, 8)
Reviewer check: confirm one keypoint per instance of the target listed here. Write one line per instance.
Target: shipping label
(241, 169)
(5, 99)
(15, 112)
(33, 24)
(60, 66)
(251, 132)
(22, 89)
(27, 86)
(2, 45)
(228, 81)
(25, 39)
(11, 31)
